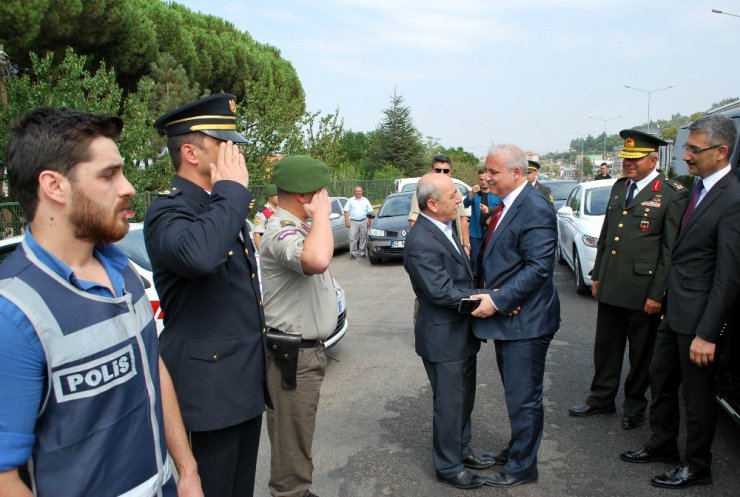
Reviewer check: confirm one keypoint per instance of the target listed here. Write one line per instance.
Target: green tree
(397, 142)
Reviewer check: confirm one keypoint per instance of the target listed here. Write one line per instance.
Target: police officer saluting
(301, 311)
(206, 275)
(630, 276)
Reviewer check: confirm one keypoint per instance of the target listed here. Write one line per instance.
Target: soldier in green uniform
(630, 276)
(300, 308)
(533, 169)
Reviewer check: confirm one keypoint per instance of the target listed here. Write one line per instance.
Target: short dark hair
(51, 139)
(175, 143)
(482, 170)
(441, 158)
(604, 164)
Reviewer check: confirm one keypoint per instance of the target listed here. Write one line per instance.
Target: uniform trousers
(615, 326)
(453, 386)
(227, 458)
(292, 421)
(357, 237)
(670, 367)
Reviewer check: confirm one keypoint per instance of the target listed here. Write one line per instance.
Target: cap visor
(631, 155)
(224, 135)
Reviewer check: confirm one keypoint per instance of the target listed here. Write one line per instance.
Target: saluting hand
(230, 165)
(319, 207)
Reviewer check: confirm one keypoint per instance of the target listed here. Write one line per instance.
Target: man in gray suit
(702, 288)
(441, 276)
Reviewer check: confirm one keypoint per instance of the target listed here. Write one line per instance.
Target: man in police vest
(264, 214)
(85, 397)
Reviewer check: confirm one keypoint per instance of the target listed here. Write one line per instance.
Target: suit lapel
(439, 236)
(708, 199)
(511, 213)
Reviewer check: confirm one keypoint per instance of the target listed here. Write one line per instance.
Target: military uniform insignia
(232, 105)
(285, 223)
(286, 233)
(652, 203)
(656, 186)
(257, 220)
(629, 142)
(644, 225)
(306, 227)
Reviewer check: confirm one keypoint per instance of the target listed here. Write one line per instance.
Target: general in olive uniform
(630, 276)
(533, 170)
(301, 312)
(205, 273)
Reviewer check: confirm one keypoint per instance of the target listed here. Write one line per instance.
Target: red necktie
(492, 225)
(693, 201)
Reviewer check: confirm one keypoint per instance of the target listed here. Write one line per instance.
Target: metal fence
(12, 219)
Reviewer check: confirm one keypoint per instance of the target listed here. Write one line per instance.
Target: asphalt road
(373, 435)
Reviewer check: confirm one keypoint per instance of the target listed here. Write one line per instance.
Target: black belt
(305, 344)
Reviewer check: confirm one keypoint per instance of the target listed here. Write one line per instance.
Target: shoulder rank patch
(285, 223)
(675, 184)
(170, 192)
(257, 220)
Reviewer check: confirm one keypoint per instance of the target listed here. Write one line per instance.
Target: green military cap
(638, 144)
(271, 190)
(214, 115)
(532, 165)
(300, 174)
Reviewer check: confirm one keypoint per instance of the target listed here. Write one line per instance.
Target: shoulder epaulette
(676, 185)
(169, 192)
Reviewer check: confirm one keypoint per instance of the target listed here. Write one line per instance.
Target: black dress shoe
(682, 476)
(464, 479)
(475, 462)
(631, 422)
(503, 480)
(646, 453)
(499, 458)
(583, 410)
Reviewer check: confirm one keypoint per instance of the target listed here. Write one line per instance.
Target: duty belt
(305, 344)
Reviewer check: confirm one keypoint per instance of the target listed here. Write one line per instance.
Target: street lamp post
(717, 11)
(603, 156)
(649, 92)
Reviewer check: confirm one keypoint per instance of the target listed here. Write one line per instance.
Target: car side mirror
(565, 211)
(334, 216)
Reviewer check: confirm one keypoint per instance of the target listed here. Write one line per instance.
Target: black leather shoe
(499, 458)
(646, 453)
(682, 476)
(464, 479)
(631, 422)
(503, 480)
(583, 410)
(475, 462)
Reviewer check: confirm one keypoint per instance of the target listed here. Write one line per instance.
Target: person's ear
(54, 186)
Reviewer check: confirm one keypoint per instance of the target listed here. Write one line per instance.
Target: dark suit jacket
(518, 264)
(636, 242)
(440, 277)
(703, 281)
(206, 278)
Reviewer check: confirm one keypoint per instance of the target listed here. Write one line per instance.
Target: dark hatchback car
(560, 189)
(387, 235)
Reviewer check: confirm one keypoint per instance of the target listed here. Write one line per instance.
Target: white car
(579, 227)
(133, 245)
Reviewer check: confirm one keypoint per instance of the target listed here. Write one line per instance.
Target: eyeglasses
(696, 150)
(440, 170)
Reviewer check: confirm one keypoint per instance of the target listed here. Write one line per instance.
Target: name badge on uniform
(644, 225)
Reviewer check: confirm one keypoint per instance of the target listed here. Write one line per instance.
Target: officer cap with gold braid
(532, 166)
(300, 174)
(214, 115)
(638, 144)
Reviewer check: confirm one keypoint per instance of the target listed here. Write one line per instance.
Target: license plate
(397, 243)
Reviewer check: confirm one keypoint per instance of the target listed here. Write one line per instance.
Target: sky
(481, 72)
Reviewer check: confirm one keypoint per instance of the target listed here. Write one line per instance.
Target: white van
(409, 185)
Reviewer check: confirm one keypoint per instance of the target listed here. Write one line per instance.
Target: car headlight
(376, 232)
(590, 241)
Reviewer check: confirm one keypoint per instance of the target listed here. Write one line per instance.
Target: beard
(94, 223)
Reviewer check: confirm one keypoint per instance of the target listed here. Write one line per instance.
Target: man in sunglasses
(442, 164)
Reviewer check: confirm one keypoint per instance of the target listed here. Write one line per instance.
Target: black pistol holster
(283, 347)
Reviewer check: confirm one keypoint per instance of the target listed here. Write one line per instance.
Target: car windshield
(396, 206)
(561, 189)
(596, 201)
(409, 187)
(133, 245)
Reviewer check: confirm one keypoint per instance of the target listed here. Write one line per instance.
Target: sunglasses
(440, 170)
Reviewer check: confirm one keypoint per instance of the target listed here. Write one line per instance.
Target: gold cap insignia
(232, 106)
(629, 142)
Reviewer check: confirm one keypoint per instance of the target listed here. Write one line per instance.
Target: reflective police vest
(99, 430)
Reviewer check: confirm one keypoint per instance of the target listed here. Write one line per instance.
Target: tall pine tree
(396, 142)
